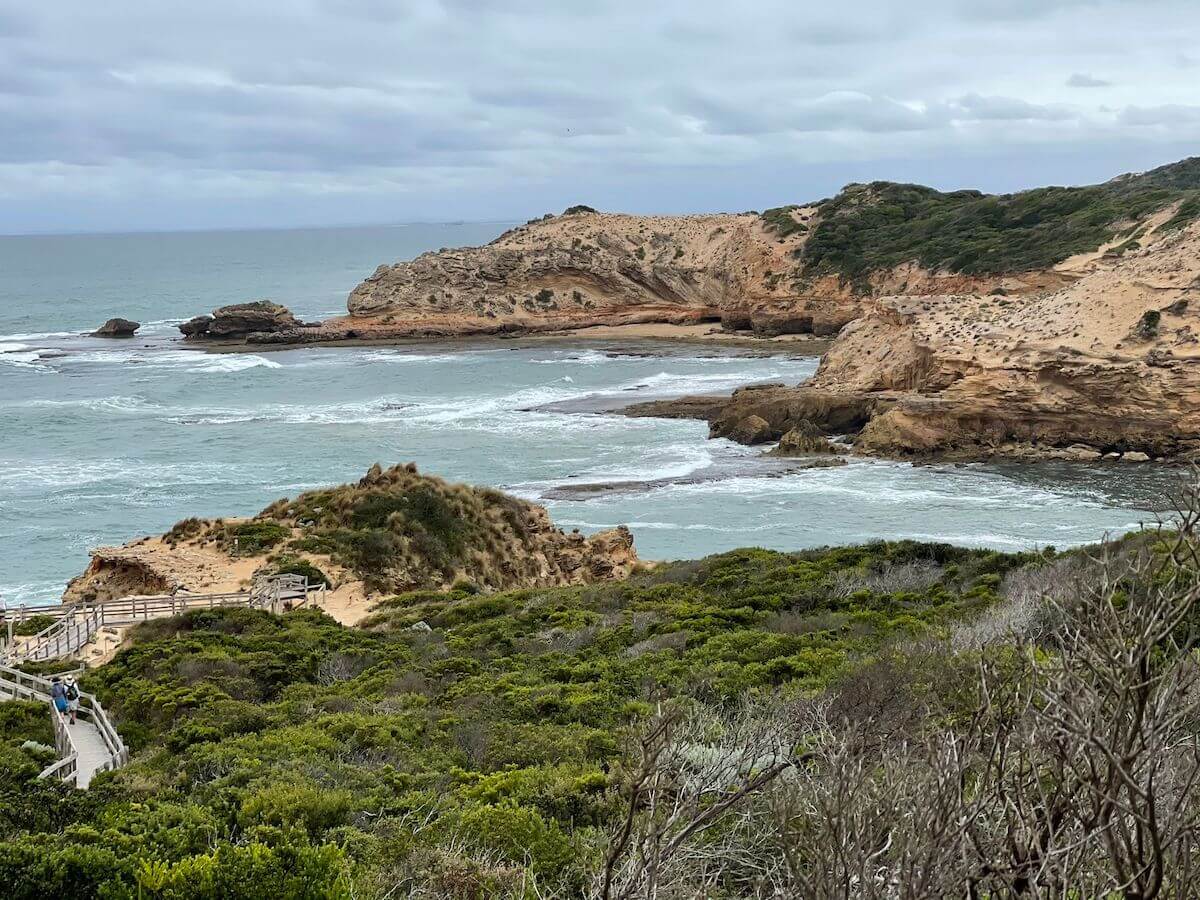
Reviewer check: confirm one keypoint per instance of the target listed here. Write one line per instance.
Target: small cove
(103, 441)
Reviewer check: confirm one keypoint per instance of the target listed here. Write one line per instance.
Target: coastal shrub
(22, 720)
(252, 538)
(1147, 326)
(1188, 212)
(871, 227)
(33, 624)
(184, 530)
(398, 530)
(249, 872)
(486, 747)
(781, 221)
(294, 565)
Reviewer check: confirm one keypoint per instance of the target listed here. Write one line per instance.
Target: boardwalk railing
(22, 686)
(76, 624)
(67, 767)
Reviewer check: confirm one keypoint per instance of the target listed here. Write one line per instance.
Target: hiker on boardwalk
(72, 693)
(58, 694)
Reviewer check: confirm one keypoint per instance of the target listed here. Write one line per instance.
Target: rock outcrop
(800, 269)
(117, 327)
(586, 268)
(804, 439)
(241, 320)
(1075, 373)
(395, 530)
(135, 569)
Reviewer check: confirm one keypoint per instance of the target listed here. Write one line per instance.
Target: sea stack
(117, 327)
(239, 320)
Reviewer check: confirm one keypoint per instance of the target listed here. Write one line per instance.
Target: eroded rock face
(239, 320)
(750, 429)
(116, 572)
(117, 327)
(1052, 375)
(588, 268)
(804, 439)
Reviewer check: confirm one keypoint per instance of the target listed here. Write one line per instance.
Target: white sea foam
(37, 336)
(689, 383)
(72, 475)
(233, 363)
(575, 357)
(187, 360)
(407, 356)
(110, 404)
(669, 461)
(31, 593)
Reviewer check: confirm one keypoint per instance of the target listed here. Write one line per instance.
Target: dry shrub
(897, 578)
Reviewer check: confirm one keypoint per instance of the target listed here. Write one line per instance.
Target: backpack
(72, 692)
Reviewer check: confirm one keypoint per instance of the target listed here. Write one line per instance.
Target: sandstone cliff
(1107, 365)
(395, 530)
(586, 268)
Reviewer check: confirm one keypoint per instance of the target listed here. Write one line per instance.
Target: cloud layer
(141, 114)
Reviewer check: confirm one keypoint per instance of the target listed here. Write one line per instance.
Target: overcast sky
(146, 114)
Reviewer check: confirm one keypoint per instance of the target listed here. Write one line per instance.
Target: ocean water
(102, 441)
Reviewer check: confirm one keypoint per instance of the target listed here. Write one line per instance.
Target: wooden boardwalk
(77, 624)
(91, 744)
(92, 754)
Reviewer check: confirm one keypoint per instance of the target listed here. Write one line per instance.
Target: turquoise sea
(102, 441)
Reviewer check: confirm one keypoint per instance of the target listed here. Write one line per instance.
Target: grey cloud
(1081, 80)
(14, 25)
(208, 105)
(1007, 109)
(1171, 114)
(1017, 10)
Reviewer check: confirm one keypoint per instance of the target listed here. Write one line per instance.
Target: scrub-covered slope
(394, 530)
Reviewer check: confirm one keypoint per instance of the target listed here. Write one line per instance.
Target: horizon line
(217, 229)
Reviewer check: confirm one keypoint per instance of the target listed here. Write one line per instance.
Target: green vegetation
(185, 530)
(33, 624)
(251, 538)
(399, 530)
(1188, 212)
(461, 744)
(1147, 326)
(872, 227)
(295, 565)
(781, 221)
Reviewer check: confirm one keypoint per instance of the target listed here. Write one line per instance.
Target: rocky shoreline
(1080, 341)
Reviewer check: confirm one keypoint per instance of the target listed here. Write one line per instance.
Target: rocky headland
(394, 530)
(1107, 366)
(1052, 322)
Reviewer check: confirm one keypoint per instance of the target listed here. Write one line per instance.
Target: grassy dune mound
(397, 530)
